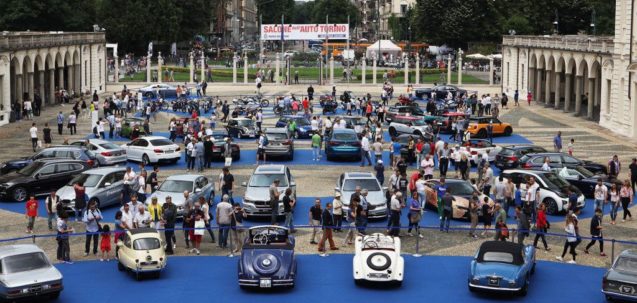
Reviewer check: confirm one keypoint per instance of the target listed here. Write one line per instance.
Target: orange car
(461, 190)
(478, 127)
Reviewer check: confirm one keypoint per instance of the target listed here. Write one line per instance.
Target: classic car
(347, 183)
(620, 280)
(103, 186)
(218, 137)
(55, 152)
(343, 143)
(559, 160)
(267, 258)
(152, 149)
(583, 179)
(502, 267)
(478, 127)
(377, 259)
(141, 251)
(403, 110)
(552, 188)
(107, 153)
(410, 125)
(257, 196)
(40, 178)
(27, 274)
(280, 141)
(129, 123)
(303, 125)
(241, 128)
(175, 185)
(461, 190)
(477, 147)
(509, 156)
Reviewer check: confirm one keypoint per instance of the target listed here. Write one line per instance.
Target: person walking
(474, 208)
(200, 154)
(33, 132)
(337, 211)
(524, 226)
(557, 142)
(365, 148)
(415, 214)
(92, 218)
(614, 167)
(315, 219)
(446, 211)
(571, 240)
(601, 195)
(501, 230)
(288, 209)
(316, 146)
(626, 196)
(31, 213)
(614, 202)
(443, 162)
(351, 218)
(169, 217)
(487, 216)
(541, 227)
(52, 203)
(380, 171)
(63, 231)
(46, 135)
(227, 184)
(236, 228)
(328, 225)
(274, 195)
(632, 169)
(224, 219)
(60, 121)
(207, 217)
(155, 213)
(596, 232)
(395, 206)
(73, 123)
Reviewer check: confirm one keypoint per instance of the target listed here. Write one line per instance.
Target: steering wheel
(260, 238)
(370, 244)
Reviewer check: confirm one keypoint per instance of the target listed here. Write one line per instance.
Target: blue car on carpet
(267, 258)
(501, 266)
(343, 143)
(303, 125)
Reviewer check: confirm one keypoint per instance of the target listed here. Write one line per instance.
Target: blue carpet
(319, 280)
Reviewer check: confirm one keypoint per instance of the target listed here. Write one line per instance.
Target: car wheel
(508, 131)
(471, 288)
(265, 103)
(291, 156)
(94, 200)
(378, 261)
(145, 160)
(418, 133)
(19, 194)
(359, 282)
(120, 266)
(174, 161)
(149, 95)
(551, 206)
(482, 133)
(609, 298)
(393, 132)
(533, 268)
(525, 288)
(54, 296)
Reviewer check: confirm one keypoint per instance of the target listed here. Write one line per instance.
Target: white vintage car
(377, 259)
(415, 125)
(141, 251)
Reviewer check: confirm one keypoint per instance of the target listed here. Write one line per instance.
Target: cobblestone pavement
(536, 123)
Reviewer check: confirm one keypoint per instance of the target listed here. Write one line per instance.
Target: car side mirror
(129, 143)
(197, 190)
(37, 176)
(293, 184)
(385, 188)
(244, 184)
(107, 184)
(579, 177)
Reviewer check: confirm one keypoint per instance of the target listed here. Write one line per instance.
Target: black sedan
(559, 160)
(583, 179)
(40, 178)
(509, 156)
(218, 149)
(439, 91)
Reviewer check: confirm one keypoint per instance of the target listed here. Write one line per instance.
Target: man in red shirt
(419, 145)
(31, 213)
(306, 104)
(412, 180)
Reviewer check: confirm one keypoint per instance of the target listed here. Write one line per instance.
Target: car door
(108, 194)
(44, 179)
(64, 172)
(137, 148)
(569, 161)
(498, 127)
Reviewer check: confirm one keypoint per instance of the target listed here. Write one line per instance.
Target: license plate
(265, 283)
(378, 275)
(494, 281)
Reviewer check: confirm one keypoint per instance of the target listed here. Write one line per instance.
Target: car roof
(278, 130)
(104, 170)
(94, 141)
(142, 230)
(450, 180)
(59, 160)
(454, 114)
(240, 118)
(532, 171)
(219, 131)
(343, 130)
(515, 249)
(153, 137)
(184, 177)
(359, 175)
(408, 117)
(18, 249)
(629, 253)
(270, 169)
(65, 147)
(521, 146)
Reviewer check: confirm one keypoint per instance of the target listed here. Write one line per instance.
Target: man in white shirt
(342, 124)
(224, 213)
(601, 195)
(314, 124)
(259, 119)
(142, 218)
(365, 150)
(127, 217)
(531, 196)
(427, 165)
(33, 132)
(438, 147)
(395, 206)
(420, 188)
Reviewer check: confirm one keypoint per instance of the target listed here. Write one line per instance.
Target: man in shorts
(261, 147)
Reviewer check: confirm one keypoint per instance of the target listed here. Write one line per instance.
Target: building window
(403, 9)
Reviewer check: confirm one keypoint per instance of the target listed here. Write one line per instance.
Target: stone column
(245, 68)
(602, 97)
(538, 85)
(578, 94)
(277, 77)
(234, 69)
(567, 91)
(557, 90)
(192, 67)
(41, 85)
(19, 89)
(491, 71)
(331, 70)
(160, 64)
(51, 85)
(61, 78)
(30, 82)
(547, 86)
(116, 80)
(449, 70)
(148, 72)
(203, 67)
(374, 70)
(406, 72)
(459, 70)
(363, 76)
(417, 70)
(591, 98)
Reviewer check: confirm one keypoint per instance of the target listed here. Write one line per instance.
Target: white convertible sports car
(378, 259)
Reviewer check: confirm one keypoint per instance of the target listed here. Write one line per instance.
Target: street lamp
(593, 27)
(556, 23)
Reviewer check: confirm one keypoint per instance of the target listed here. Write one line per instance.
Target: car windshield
(507, 152)
(265, 180)
(626, 264)
(496, 256)
(175, 186)
(30, 169)
(554, 181)
(277, 136)
(460, 188)
(146, 244)
(369, 184)
(89, 180)
(245, 122)
(24, 262)
(161, 142)
(345, 137)
(108, 145)
(301, 122)
(355, 121)
(220, 136)
(584, 172)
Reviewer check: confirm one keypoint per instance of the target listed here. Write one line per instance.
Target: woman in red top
(105, 243)
(31, 213)
(529, 97)
(541, 226)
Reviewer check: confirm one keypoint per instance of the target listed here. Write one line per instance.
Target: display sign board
(304, 31)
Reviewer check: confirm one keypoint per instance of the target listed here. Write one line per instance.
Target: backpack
(266, 141)
(95, 130)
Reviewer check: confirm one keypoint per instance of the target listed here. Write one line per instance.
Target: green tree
(47, 15)
(271, 10)
(337, 10)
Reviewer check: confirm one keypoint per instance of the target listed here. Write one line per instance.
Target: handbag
(228, 161)
(200, 226)
(504, 231)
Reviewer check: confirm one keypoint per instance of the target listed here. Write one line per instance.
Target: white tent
(385, 47)
(496, 56)
(477, 56)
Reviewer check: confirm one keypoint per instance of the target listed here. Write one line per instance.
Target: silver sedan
(106, 152)
(27, 273)
(175, 185)
(103, 185)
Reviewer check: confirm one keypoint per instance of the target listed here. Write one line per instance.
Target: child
(105, 244)
(31, 213)
(570, 147)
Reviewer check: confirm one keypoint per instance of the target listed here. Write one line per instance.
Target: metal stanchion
(33, 238)
(417, 254)
(612, 251)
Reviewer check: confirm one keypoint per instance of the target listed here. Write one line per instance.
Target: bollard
(612, 251)
(33, 239)
(417, 254)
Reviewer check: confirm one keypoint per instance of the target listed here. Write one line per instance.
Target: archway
(15, 78)
(581, 93)
(594, 92)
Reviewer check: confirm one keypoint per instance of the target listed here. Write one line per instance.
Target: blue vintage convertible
(267, 259)
(502, 267)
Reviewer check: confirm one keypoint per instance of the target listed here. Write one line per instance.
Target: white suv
(552, 188)
(256, 201)
(347, 183)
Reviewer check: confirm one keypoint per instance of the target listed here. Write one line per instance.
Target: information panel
(305, 31)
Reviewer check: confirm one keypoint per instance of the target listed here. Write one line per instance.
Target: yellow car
(478, 127)
(141, 250)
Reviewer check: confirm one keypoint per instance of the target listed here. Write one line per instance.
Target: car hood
(68, 192)
(261, 193)
(506, 271)
(23, 160)
(31, 277)
(177, 198)
(373, 197)
(620, 276)
(14, 178)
